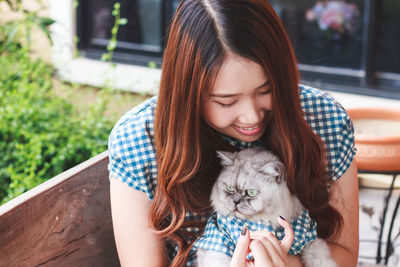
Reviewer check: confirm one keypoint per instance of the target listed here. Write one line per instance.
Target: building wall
(41, 46)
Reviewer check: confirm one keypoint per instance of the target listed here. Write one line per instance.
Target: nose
(250, 113)
(237, 198)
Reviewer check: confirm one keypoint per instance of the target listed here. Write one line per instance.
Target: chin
(247, 138)
(243, 215)
(239, 215)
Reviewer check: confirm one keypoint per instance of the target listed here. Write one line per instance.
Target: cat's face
(250, 185)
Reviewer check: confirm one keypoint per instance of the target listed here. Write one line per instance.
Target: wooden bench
(65, 221)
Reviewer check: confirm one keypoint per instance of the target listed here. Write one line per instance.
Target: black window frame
(365, 81)
(125, 52)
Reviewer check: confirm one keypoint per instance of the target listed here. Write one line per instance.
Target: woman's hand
(266, 249)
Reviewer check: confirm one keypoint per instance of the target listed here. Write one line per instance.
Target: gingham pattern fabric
(222, 232)
(133, 158)
(329, 120)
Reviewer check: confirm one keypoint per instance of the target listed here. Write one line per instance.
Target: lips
(253, 130)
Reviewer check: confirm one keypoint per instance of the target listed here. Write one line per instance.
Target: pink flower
(337, 16)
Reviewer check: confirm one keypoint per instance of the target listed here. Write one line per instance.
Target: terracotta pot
(377, 152)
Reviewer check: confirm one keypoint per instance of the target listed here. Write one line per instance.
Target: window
(139, 41)
(388, 37)
(345, 45)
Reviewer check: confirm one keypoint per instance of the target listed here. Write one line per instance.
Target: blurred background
(90, 61)
(350, 46)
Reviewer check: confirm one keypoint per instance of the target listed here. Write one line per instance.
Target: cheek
(218, 117)
(265, 102)
(256, 204)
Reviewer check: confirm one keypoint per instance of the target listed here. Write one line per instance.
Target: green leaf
(112, 45)
(123, 21)
(46, 21)
(76, 3)
(152, 64)
(117, 5)
(105, 57)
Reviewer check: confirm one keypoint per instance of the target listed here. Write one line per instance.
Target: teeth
(249, 129)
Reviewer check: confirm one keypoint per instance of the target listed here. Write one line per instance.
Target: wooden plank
(65, 221)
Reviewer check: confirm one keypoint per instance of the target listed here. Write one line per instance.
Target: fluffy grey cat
(252, 186)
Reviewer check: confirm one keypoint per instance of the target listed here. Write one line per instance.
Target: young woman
(229, 81)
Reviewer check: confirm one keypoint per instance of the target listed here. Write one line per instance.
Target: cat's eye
(251, 192)
(229, 188)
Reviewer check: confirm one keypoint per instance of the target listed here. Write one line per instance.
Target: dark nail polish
(282, 218)
(244, 231)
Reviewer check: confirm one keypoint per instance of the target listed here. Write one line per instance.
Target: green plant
(18, 31)
(41, 134)
(114, 32)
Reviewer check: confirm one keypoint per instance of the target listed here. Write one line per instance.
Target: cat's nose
(236, 202)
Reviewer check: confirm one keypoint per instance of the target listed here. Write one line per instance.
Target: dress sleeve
(132, 158)
(328, 119)
(342, 151)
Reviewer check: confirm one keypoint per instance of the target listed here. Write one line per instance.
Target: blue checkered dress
(222, 232)
(133, 158)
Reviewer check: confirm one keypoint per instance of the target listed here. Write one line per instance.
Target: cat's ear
(275, 168)
(226, 158)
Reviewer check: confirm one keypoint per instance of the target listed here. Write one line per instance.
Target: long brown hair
(201, 34)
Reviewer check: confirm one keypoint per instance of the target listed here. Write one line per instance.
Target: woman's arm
(345, 199)
(136, 244)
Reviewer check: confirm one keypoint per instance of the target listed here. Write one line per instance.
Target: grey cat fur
(263, 171)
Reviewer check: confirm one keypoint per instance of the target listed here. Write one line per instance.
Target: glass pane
(144, 21)
(388, 41)
(324, 33)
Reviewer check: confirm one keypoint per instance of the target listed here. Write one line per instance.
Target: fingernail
(250, 256)
(244, 231)
(282, 218)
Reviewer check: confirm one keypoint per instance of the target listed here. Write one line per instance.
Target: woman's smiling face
(237, 103)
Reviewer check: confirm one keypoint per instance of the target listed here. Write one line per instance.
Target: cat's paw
(209, 258)
(317, 254)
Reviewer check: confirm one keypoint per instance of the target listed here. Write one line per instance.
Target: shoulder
(131, 148)
(328, 119)
(316, 102)
(137, 124)
(323, 113)
(136, 119)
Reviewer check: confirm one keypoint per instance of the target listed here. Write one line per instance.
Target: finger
(272, 239)
(275, 252)
(260, 254)
(287, 241)
(242, 248)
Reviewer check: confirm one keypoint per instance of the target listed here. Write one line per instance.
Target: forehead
(238, 75)
(243, 175)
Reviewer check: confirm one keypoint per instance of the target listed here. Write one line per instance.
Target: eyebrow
(231, 95)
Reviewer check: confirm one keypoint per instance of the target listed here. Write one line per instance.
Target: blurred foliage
(41, 134)
(18, 30)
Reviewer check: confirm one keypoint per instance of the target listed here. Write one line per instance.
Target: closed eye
(266, 92)
(226, 105)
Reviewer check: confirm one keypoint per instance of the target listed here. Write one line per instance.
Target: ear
(275, 168)
(226, 158)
